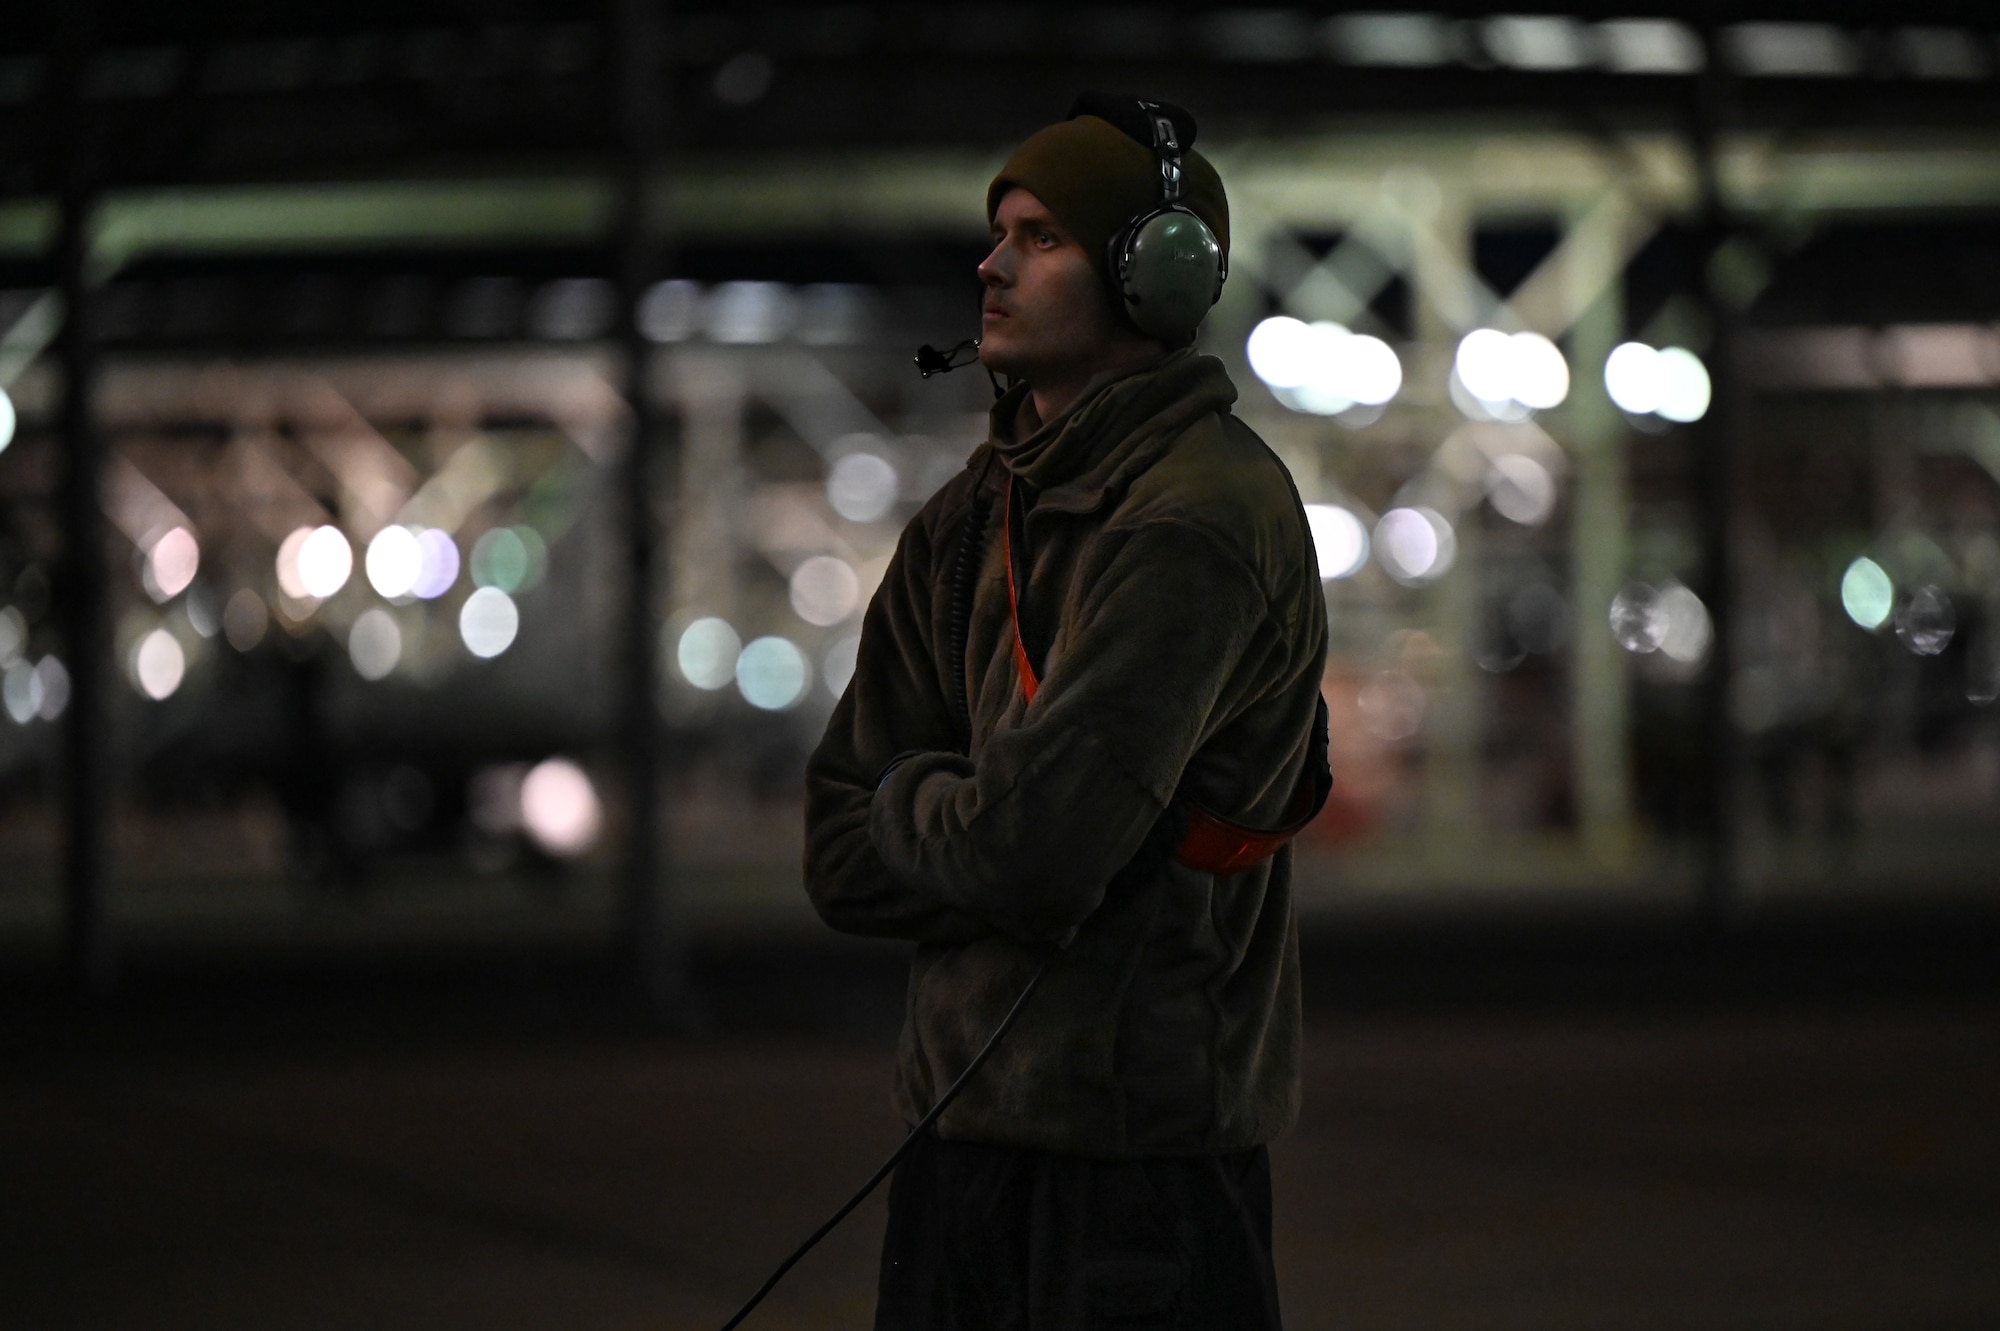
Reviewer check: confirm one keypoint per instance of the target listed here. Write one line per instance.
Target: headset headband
(1167, 147)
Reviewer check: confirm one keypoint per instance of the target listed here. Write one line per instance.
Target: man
(1164, 613)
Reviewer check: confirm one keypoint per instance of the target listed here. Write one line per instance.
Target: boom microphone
(931, 361)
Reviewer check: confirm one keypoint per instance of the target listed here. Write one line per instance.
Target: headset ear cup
(1169, 271)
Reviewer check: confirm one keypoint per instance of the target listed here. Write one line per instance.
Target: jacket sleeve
(1030, 834)
(893, 705)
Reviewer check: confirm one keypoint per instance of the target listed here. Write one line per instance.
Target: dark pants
(1000, 1238)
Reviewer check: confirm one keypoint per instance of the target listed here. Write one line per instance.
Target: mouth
(991, 313)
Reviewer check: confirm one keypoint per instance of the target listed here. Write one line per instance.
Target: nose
(992, 269)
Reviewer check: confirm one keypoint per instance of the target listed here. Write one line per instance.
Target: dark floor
(1594, 1133)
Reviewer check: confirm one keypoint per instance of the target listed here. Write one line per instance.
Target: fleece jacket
(1172, 608)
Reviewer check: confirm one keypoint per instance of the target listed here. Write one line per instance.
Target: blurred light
(771, 673)
(1415, 544)
(200, 611)
(509, 558)
(437, 567)
(395, 562)
(560, 810)
(833, 313)
(13, 635)
(1482, 409)
(1527, 368)
(171, 562)
(1689, 631)
(21, 691)
(375, 644)
(1634, 378)
(1686, 390)
(1340, 542)
(1649, 46)
(1281, 351)
(1521, 489)
(837, 666)
(1322, 367)
(245, 619)
(670, 311)
(1372, 373)
(1401, 41)
(1791, 50)
(572, 309)
(825, 590)
(861, 486)
(743, 78)
(8, 420)
(1867, 594)
(748, 313)
(325, 560)
(1485, 364)
(288, 564)
(707, 653)
(1541, 375)
(53, 677)
(1638, 620)
(1536, 41)
(488, 621)
(158, 664)
(1391, 705)
(1926, 621)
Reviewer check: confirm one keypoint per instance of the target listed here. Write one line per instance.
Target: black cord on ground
(951, 1093)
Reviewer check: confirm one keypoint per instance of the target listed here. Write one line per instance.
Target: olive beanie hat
(1096, 175)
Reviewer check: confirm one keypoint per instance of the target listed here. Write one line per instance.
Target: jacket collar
(1117, 428)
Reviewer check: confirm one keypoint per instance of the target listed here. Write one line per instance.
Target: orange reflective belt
(1212, 843)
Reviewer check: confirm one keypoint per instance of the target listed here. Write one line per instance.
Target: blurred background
(446, 448)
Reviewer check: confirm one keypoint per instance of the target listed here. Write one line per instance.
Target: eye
(1046, 239)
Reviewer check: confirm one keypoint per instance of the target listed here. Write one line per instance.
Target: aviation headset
(1164, 266)
(1165, 263)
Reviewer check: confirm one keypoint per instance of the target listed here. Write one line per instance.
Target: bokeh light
(509, 558)
(1391, 705)
(771, 673)
(1634, 378)
(1688, 630)
(325, 561)
(375, 643)
(1521, 489)
(245, 619)
(836, 668)
(862, 486)
(53, 677)
(395, 561)
(1671, 383)
(1686, 390)
(21, 691)
(1323, 368)
(560, 810)
(1340, 542)
(289, 581)
(1415, 545)
(437, 567)
(488, 622)
(1926, 621)
(707, 652)
(1638, 620)
(171, 563)
(825, 590)
(13, 635)
(1499, 368)
(1867, 594)
(158, 664)
(1281, 351)
(8, 420)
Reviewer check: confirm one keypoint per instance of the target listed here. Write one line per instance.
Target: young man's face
(1047, 317)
